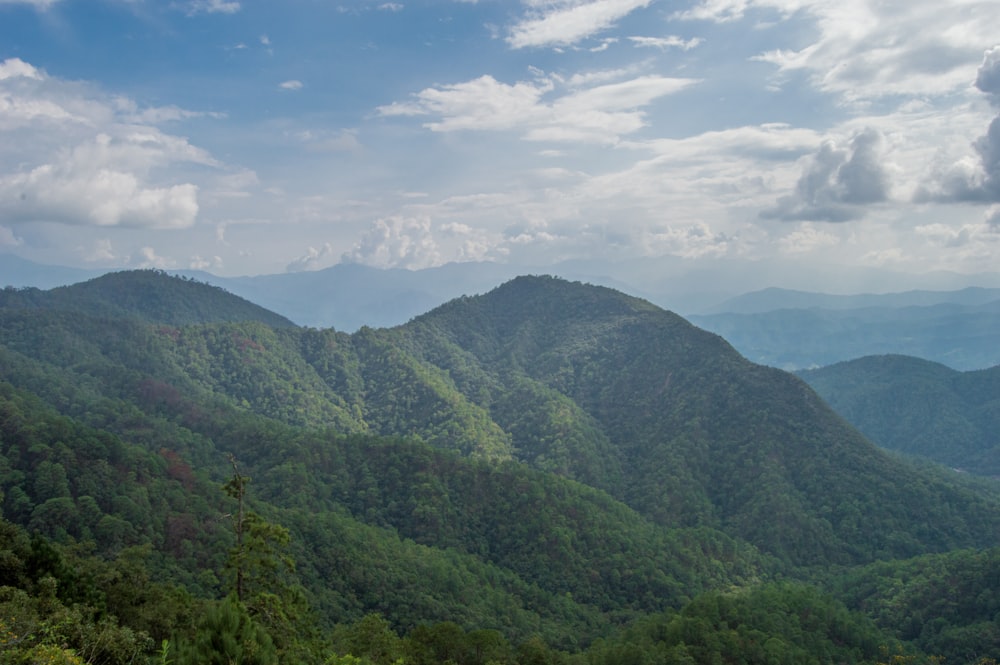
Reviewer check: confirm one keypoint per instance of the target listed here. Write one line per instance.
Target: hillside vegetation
(547, 473)
(919, 408)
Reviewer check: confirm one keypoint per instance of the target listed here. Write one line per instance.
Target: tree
(255, 560)
(264, 576)
(227, 634)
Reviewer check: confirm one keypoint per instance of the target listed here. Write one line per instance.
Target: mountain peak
(150, 295)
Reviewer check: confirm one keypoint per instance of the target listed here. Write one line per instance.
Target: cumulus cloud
(92, 185)
(988, 75)
(291, 85)
(197, 262)
(75, 155)
(971, 179)
(17, 68)
(566, 22)
(837, 182)
(101, 252)
(147, 257)
(397, 242)
(313, 259)
(691, 241)
(543, 109)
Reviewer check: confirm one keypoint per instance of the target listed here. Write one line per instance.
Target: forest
(550, 473)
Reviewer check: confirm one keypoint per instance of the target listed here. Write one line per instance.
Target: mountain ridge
(915, 406)
(571, 457)
(148, 295)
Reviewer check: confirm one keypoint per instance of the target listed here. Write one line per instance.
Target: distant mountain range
(961, 336)
(779, 327)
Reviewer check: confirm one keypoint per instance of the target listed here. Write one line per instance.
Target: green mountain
(919, 408)
(703, 436)
(548, 461)
(147, 295)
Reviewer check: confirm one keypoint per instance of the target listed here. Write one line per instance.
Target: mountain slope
(583, 381)
(148, 295)
(703, 435)
(919, 407)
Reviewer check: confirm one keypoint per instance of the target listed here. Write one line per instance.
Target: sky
(246, 137)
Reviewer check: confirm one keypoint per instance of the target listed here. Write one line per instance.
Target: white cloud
(197, 262)
(664, 43)
(39, 4)
(566, 22)
(597, 114)
(212, 7)
(869, 49)
(391, 7)
(147, 257)
(974, 179)
(344, 140)
(75, 190)
(807, 239)
(101, 252)
(291, 85)
(988, 75)
(313, 259)
(604, 45)
(15, 67)
(8, 239)
(76, 155)
(397, 242)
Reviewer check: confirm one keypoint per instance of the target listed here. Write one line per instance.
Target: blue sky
(251, 137)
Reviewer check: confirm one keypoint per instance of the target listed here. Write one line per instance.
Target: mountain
(919, 407)
(549, 460)
(582, 381)
(772, 299)
(703, 435)
(961, 336)
(18, 273)
(146, 295)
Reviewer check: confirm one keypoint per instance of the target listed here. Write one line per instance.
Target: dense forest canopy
(919, 407)
(551, 472)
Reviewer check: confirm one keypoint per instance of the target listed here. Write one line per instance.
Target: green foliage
(918, 407)
(147, 295)
(227, 634)
(785, 623)
(508, 479)
(946, 604)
